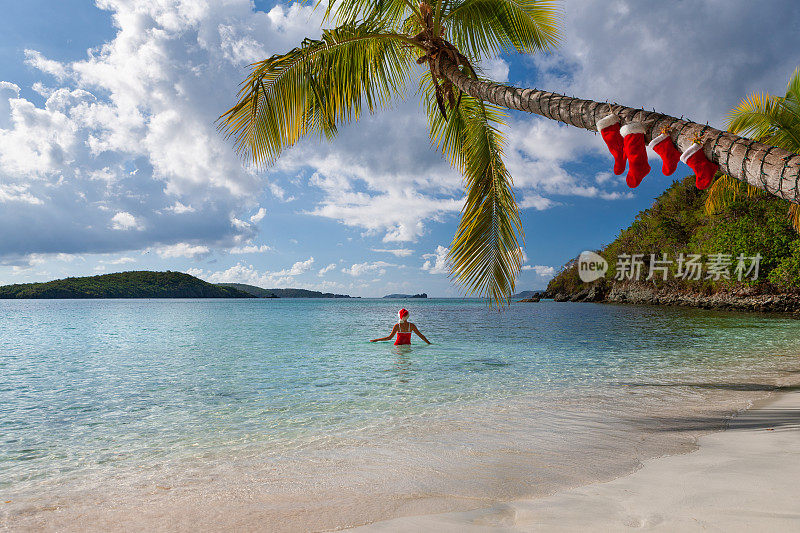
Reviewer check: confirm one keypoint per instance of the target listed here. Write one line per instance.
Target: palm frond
(485, 252)
(791, 103)
(724, 191)
(316, 87)
(787, 119)
(794, 216)
(793, 87)
(751, 191)
(721, 194)
(752, 116)
(484, 28)
(769, 118)
(411, 25)
(766, 118)
(390, 12)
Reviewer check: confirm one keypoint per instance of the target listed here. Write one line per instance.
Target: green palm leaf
(389, 11)
(770, 118)
(721, 194)
(724, 192)
(485, 253)
(316, 87)
(483, 28)
(765, 118)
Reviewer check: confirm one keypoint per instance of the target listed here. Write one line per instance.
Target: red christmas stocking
(704, 169)
(608, 127)
(635, 152)
(664, 147)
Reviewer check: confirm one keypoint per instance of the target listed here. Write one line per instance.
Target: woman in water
(403, 329)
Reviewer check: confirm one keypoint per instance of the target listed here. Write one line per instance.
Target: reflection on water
(403, 364)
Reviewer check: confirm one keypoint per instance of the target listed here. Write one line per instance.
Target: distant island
(423, 295)
(527, 294)
(259, 292)
(135, 284)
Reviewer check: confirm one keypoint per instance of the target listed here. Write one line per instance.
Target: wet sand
(464, 468)
(746, 478)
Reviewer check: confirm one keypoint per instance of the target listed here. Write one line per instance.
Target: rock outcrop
(642, 293)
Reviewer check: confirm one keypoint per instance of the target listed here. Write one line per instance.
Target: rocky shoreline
(633, 293)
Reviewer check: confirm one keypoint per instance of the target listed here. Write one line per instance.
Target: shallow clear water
(289, 390)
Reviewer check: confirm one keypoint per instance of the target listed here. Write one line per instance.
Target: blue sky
(109, 159)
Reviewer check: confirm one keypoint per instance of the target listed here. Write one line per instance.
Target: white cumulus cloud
(249, 249)
(131, 129)
(300, 267)
(259, 216)
(124, 221)
(178, 208)
(359, 269)
(437, 263)
(397, 252)
(183, 249)
(122, 261)
(541, 270)
(325, 270)
(242, 273)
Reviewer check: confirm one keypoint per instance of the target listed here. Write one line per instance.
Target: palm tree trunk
(770, 168)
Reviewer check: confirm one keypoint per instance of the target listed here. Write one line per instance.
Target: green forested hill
(138, 284)
(677, 223)
(281, 293)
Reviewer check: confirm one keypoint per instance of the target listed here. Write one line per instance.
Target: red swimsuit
(403, 337)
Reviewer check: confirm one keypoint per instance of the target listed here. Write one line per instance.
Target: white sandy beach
(746, 478)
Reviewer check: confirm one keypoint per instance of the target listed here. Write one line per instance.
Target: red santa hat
(403, 312)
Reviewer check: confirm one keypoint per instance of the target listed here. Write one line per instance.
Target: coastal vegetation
(135, 284)
(281, 293)
(421, 295)
(372, 54)
(677, 223)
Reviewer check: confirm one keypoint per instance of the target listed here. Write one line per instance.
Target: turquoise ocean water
(289, 397)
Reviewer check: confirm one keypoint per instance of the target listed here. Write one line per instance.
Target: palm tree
(771, 119)
(370, 58)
